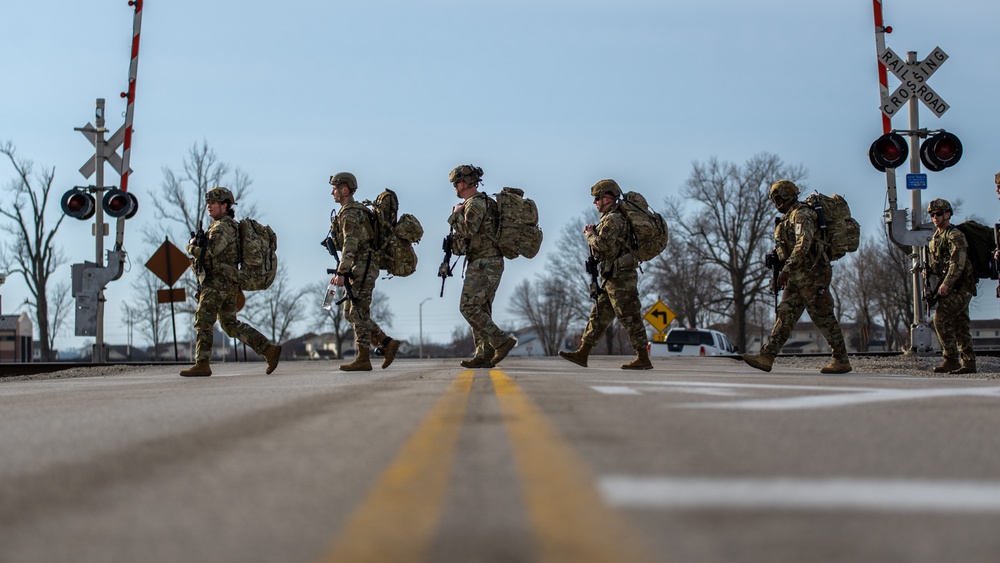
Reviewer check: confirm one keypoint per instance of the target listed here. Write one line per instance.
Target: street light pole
(421, 309)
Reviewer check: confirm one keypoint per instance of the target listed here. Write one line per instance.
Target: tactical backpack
(394, 237)
(839, 233)
(982, 243)
(649, 233)
(258, 246)
(518, 233)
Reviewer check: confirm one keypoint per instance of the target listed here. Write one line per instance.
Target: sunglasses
(937, 213)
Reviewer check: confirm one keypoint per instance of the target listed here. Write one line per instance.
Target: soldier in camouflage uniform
(609, 242)
(218, 258)
(353, 234)
(474, 224)
(948, 258)
(805, 278)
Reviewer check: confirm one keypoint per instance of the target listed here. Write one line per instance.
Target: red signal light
(888, 151)
(118, 203)
(79, 204)
(941, 151)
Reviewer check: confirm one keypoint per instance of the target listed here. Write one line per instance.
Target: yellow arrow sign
(659, 316)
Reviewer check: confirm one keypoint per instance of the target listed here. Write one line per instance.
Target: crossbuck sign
(913, 80)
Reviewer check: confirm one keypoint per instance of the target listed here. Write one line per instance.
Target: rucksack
(981, 246)
(839, 233)
(518, 233)
(649, 230)
(394, 237)
(258, 247)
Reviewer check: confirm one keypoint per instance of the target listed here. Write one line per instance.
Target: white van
(693, 342)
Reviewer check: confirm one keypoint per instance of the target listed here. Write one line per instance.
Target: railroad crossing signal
(659, 316)
(913, 82)
(939, 151)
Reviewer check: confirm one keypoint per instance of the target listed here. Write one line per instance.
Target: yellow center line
(570, 521)
(400, 515)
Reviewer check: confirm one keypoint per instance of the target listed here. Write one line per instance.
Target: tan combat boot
(503, 349)
(837, 366)
(360, 363)
(947, 366)
(967, 367)
(199, 369)
(272, 354)
(389, 353)
(641, 360)
(477, 362)
(580, 356)
(759, 361)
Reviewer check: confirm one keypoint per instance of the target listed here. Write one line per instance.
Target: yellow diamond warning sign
(659, 316)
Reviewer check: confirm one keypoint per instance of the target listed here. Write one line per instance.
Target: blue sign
(916, 181)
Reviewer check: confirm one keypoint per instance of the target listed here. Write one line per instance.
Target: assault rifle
(773, 263)
(199, 239)
(446, 268)
(595, 286)
(331, 247)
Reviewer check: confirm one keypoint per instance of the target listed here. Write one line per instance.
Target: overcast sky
(547, 95)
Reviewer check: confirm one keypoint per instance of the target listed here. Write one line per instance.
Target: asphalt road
(700, 459)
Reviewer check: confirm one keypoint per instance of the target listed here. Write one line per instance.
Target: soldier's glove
(194, 251)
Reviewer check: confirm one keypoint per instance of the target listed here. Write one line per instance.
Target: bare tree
(692, 288)
(548, 307)
(568, 262)
(30, 252)
(894, 293)
(278, 307)
(180, 207)
(61, 304)
(732, 224)
(151, 317)
(462, 342)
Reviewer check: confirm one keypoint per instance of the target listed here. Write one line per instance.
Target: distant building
(985, 334)
(528, 344)
(16, 338)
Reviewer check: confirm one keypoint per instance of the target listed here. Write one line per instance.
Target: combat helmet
(939, 205)
(783, 190)
(607, 186)
(468, 173)
(345, 178)
(997, 178)
(221, 195)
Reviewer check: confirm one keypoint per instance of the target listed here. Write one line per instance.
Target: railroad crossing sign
(659, 316)
(111, 145)
(913, 79)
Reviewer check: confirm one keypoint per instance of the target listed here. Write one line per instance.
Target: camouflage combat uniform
(808, 287)
(219, 290)
(475, 228)
(610, 244)
(948, 254)
(353, 234)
